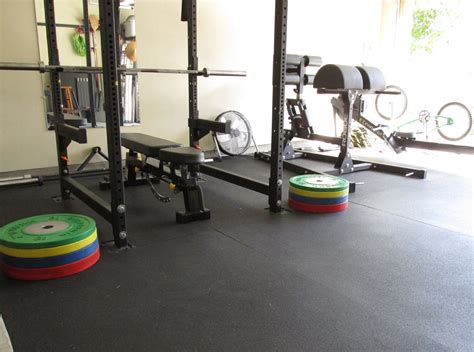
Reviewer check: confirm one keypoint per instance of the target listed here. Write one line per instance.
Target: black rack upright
(273, 188)
(113, 211)
(278, 104)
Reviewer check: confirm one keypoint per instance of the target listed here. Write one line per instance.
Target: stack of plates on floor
(48, 246)
(318, 193)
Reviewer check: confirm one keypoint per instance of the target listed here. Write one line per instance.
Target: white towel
(5, 343)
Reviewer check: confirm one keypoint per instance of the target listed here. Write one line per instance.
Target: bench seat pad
(146, 144)
(182, 155)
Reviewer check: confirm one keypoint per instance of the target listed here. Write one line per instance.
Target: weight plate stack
(48, 246)
(318, 193)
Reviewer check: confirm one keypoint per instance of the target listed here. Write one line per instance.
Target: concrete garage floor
(393, 272)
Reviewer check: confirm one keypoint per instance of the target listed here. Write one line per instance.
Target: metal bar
(344, 161)
(118, 51)
(61, 25)
(300, 170)
(225, 73)
(11, 66)
(53, 55)
(279, 62)
(89, 197)
(393, 169)
(85, 162)
(189, 14)
(355, 168)
(205, 72)
(208, 125)
(21, 182)
(397, 170)
(107, 9)
(78, 135)
(75, 174)
(325, 139)
(443, 147)
(236, 179)
(90, 76)
(15, 178)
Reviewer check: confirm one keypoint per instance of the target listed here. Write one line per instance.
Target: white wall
(231, 35)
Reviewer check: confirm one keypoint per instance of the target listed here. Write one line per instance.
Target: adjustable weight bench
(176, 157)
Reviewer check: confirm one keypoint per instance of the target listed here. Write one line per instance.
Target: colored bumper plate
(48, 252)
(51, 261)
(319, 183)
(318, 201)
(46, 231)
(317, 208)
(54, 272)
(312, 194)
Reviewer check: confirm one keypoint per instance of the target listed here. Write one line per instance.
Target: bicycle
(453, 121)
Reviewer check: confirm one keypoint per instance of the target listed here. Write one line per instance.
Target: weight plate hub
(318, 201)
(51, 261)
(311, 208)
(54, 272)
(48, 252)
(46, 231)
(319, 183)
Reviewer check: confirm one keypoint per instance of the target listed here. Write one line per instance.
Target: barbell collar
(42, 68)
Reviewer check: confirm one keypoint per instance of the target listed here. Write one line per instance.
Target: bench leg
(132, 162)
(195, 208)
(194, 205)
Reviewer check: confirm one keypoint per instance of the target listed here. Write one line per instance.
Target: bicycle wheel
(391, 106)
(454, 121)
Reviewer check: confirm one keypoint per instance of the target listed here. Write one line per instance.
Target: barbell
(42, 68)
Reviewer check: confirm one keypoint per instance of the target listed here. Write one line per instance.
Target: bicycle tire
(404, 105)
(440, 128)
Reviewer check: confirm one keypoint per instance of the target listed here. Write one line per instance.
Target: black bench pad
(338, 77)
(145, 144)
(372, 77)
(182, 155)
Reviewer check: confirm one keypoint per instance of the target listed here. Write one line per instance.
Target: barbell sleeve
(207, 72)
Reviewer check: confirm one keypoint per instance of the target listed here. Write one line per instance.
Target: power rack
(114, 210)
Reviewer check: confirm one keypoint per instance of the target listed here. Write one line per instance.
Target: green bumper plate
(46, 231)
(319, 183)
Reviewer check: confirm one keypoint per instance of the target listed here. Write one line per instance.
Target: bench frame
(186, 182)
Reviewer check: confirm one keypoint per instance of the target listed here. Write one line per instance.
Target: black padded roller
(292, 70)
(372, 77)
(338, 77)
(313, 61)
(294, 79)
(293, 60)
(309, 79)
